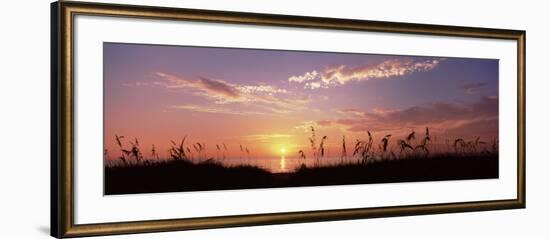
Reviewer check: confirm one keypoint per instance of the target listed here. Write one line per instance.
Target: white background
(24, 125)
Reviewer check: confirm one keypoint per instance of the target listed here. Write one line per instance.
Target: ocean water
(279, 165)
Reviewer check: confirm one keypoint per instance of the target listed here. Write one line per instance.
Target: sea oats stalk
(363, 148)
(125, 153)
(321, 153)
(302, 156)
(384, 142)
(344, 154)
(136, 152)
(224, 151)
(403, 146)
(154, 153)
(218, 152)
(241, 156)
(177, 151)
(312, 141)
(410, 137)
(424, 143)
(459, 145)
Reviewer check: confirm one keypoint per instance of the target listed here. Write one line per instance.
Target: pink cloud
(352, 111)
(324, 122)
(271, 98)
(220, 90)
(212, 110)
(450, 117)
(472, 88)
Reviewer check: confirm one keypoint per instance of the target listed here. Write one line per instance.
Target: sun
(282, 150)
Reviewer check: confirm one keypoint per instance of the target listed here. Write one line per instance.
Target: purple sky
(266, 99)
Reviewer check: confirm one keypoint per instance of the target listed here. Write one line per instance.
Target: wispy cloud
(135, 84)
(305, 126)
(213, 110)
(342, 74)
(266, 137)
(472, 88)
(308, 76)
(272, 98)
(220, 90)
(352, 111)
(268, 89)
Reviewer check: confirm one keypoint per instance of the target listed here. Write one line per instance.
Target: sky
(268, 100)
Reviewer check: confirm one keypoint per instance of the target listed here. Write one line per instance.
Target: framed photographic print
(171, 119)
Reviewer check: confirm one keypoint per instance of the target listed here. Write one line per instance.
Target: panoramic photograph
(192, 118)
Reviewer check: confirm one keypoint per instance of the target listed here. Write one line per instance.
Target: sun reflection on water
(282, 163)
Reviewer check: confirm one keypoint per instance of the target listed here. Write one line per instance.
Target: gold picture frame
(62, 161)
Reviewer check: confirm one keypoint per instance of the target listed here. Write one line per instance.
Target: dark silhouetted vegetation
(183, 175)
(188, 170)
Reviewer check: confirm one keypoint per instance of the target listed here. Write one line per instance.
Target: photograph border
(62, 118)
